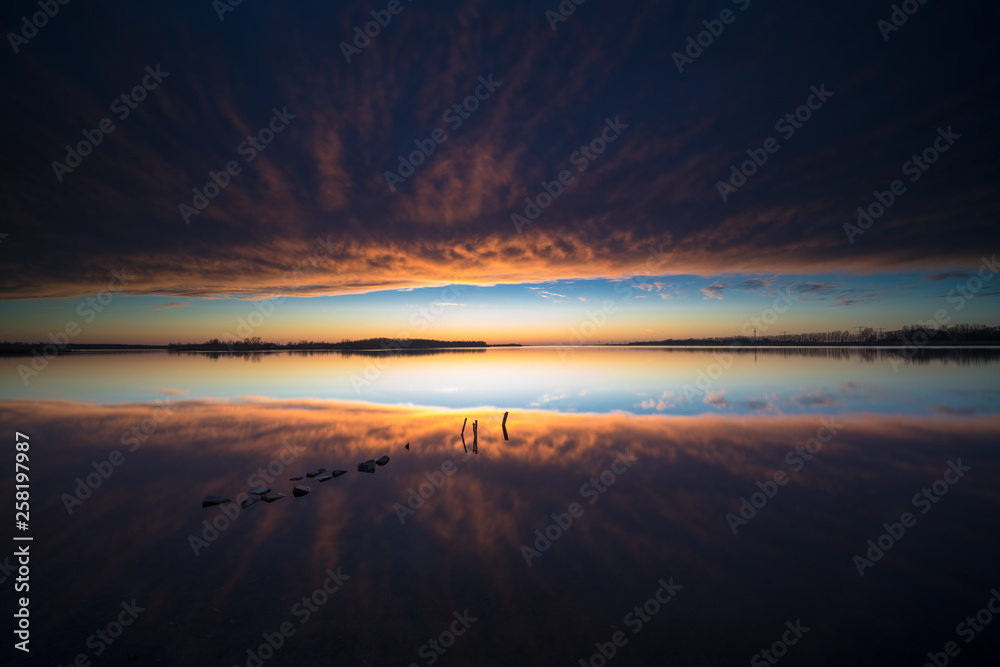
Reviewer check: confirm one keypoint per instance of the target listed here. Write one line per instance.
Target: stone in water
(249, 501)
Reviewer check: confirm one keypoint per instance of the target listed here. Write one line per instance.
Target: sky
(495, 171)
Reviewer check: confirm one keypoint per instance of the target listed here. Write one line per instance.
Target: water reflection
(680, 381)
(962, 356)
(460, 546)
(257, 355)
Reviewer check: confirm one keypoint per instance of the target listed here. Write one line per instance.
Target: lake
(648, 506)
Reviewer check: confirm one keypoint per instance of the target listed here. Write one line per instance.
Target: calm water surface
(623, 478)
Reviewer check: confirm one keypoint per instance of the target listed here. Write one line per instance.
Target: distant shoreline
(9, 350)
(908, 338)
(369, 345)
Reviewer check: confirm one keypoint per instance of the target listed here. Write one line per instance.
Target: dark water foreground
(641, 562)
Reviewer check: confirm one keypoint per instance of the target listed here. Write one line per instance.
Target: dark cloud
(814, 288)
(759, 405)
(714, 291)
(753, 284)
(949, 275)
(814, 400)
(946, 410)
(450, 221)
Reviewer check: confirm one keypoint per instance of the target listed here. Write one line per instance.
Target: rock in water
(316, 473)
(407, 445)
(338, 473)
(271, 497)
(260, 491)
(382, 460)
(367, 466)
(295, 479)
(249, 501)
(325, 478)
(300, 490)
(211, 501)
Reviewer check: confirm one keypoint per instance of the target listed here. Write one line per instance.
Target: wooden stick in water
(503, 424)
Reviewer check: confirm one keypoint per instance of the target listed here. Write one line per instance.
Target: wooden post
(475, 437)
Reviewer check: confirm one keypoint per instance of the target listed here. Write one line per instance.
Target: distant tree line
(255, 343)
(956, 334)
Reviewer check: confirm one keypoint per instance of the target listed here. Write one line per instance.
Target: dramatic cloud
(448, 218)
